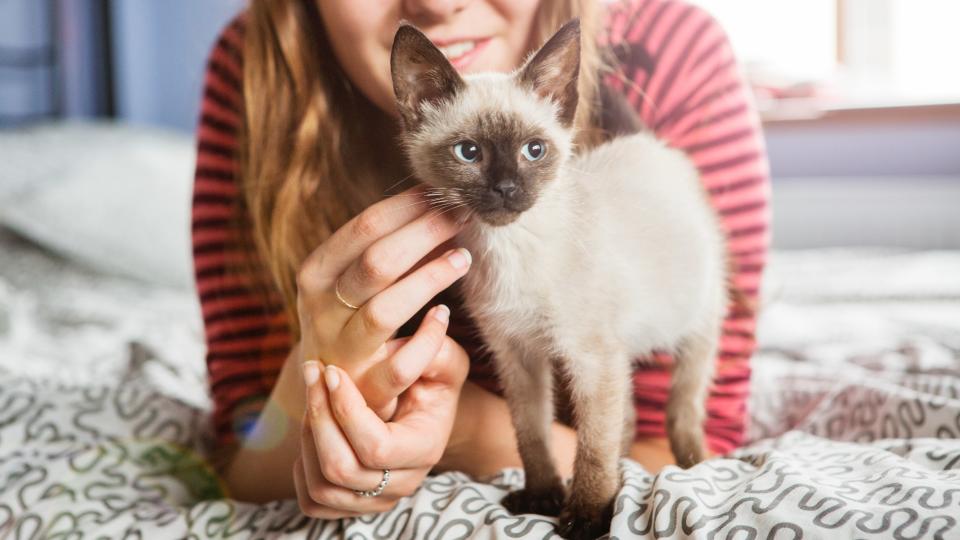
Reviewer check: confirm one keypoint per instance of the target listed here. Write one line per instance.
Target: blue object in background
(141, 61)
(26, 61)
(159, 54)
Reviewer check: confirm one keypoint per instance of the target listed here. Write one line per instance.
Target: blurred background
(102, 337)
(860, 100)
(105, 392)
(861, 105)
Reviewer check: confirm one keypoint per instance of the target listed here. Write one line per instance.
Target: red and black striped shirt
(678, 72)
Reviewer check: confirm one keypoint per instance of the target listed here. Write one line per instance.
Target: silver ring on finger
(379, 489)
(336, 289)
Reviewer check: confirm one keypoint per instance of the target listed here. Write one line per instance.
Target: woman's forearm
(262, 468)
(483, 440)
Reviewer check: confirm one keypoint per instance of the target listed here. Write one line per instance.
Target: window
(846, 52)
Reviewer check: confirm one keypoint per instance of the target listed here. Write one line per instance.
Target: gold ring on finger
(336, 289)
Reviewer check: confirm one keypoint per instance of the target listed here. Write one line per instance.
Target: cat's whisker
(440, 198)
(414, 203)
(451, 209)
(411, 205)
(439, 206)
(417, 199)
(402, 180)
(447, 209)
(466, 217)
(444, 205)
(405, 194)
(440, 201)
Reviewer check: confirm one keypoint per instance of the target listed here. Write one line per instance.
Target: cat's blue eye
(533, 150)
(467, 151)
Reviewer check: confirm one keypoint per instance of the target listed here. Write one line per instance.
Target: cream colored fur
(621, 254)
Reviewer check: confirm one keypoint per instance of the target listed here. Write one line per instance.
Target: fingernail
(442, 313)
(311, 372)
(460, 258)
(332, 378)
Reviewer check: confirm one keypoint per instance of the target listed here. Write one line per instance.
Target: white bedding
(855, 415)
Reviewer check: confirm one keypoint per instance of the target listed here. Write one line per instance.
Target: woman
(299, 255)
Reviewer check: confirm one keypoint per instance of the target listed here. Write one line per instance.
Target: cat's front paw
(687, 447)
(580, 522)
(543, 501)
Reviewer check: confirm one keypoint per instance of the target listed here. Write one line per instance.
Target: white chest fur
(508, 289)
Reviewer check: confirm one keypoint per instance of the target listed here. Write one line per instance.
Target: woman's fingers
(389, 378)
(379, 249)
(337, 491)
(308, 506)
(327, 262)
(376, 320)
(389, 258)
(327, 494)
(337, 460)
(388, 408)
(450, 365)
(378, 445)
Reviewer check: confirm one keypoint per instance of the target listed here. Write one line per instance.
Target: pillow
(113, 196)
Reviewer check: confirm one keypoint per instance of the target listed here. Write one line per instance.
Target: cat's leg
(600, 384)
(527, 382)
(686, 407)
(629, 422)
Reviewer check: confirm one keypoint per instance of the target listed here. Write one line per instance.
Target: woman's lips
(463, 53)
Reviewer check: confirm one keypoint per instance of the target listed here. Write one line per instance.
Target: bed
(854, 414)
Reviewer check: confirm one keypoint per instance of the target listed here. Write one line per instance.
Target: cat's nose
(505, 188)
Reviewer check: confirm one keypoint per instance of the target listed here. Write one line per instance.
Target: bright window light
(883, 51)
(797, 38)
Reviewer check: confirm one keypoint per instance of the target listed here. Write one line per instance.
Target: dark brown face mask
(498, 165)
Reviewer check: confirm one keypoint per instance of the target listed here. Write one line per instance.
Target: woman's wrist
(465, 432)
(654, 453)
(261, 470)
(483, 440)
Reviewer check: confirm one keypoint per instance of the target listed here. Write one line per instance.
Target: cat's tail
(617, 117)
(740, 302)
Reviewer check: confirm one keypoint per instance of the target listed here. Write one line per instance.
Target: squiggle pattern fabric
(103, 414)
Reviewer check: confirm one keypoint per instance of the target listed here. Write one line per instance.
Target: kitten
(581, 262)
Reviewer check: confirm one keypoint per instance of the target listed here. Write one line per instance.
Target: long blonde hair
(303, 172)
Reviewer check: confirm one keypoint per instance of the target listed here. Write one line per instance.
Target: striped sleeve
(246, 337)
(678, 71)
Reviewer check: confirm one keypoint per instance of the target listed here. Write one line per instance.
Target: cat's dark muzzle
(499, 207)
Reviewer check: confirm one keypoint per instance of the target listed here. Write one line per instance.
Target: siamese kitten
(582, 262)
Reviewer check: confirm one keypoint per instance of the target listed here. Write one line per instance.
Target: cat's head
(490, 142)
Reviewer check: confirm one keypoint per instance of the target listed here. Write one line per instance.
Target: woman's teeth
(457, 49)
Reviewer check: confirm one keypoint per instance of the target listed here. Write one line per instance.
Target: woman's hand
(380, 261)
(346, 445)
(383, 261)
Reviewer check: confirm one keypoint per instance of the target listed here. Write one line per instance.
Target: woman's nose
(431, 11)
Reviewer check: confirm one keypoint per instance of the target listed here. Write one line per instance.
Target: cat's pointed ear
(554, 70)
(421, 73)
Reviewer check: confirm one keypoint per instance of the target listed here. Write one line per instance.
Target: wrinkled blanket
(855, 419)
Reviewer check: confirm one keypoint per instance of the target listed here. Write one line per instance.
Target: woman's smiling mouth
(461, 53)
